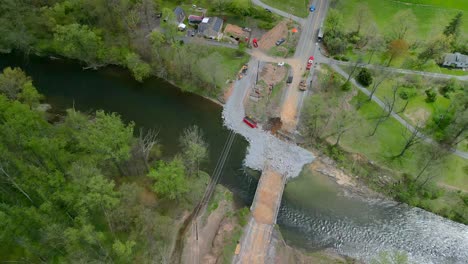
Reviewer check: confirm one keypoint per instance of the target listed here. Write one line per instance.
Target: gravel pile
(264, 149)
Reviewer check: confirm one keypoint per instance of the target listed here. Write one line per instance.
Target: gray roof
(455, 58)
(180, 14)
(213, 27)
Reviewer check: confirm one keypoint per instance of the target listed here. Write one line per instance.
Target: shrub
(346, 86)
(431, 95)
(406, 93)
(448, 88)
(364, 77)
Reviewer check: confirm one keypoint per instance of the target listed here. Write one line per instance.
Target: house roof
(234, 30)
(195, 18)
(179, 11)
(454, 58)
(213, 26)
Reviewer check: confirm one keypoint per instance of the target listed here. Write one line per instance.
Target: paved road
(279, 12)
(322, 59)
(209, 42)
(394, 115)
(305, 48)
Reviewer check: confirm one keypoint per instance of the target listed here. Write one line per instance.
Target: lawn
(296, 7)
(432, 15)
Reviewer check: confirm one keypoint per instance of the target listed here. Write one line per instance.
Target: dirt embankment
(208, 237)
(269, 39)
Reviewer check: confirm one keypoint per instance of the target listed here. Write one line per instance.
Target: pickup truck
(302, 85)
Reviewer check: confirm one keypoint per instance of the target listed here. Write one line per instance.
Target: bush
(346, 86)
(406, 93)
(364, 77)
(448, 88)
(431, 95)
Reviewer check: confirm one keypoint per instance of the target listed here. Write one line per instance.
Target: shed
(211, 29)
(179, 14)
(456, 60)
(193, 19)
(235, 32)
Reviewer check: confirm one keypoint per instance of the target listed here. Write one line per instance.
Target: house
(179, 14)
(195, 20)
(236, 33)
(211, 27)
(456, 60)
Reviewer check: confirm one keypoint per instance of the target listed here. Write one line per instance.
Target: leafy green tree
(107, 136)
(364, 77)
(139, 68)
(78, 42)
(170, 179)
(12, 82)
(453, 28)
(241, 7)
(436, 48)
(123, 251)
(30, 96)
(194, 148)
(431, 95)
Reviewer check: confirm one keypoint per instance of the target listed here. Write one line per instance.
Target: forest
(127, 33)
(88, 188)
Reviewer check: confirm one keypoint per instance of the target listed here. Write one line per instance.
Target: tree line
(398, 40)
(102, 32)
(88, 188)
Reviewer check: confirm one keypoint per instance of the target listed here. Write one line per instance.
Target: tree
(362, 16)
(140, 69)
(431, 95)
(78, 42)
(376, 44)
(453, 28)
(334, 23)
(388, 109)
(449, 87)
(364, 77)
(30, 96)
(170, 182)
(412, 137)
(12, 82)
(436, 48)
(108, 137)
(404, 23)
(194, 148)
(396, 48)
(343, 122)
(123, 251)
(240, 7)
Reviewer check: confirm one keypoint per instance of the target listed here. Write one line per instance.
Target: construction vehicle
(302, 85)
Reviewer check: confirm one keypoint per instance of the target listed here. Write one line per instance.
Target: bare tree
(362, 16)
(411, 139)
(389, 106)
(434, 154)
(343, 122)
(146, 142)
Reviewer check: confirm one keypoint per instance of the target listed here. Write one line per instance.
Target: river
(314, 213)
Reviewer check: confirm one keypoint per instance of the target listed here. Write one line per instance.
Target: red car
(250, 122)
(310, 62)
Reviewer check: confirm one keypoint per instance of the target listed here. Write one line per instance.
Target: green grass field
(296, 7)
(432, 15)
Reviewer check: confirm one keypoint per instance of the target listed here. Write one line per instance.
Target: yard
(389, 138)
(431, 18)
(296, 7)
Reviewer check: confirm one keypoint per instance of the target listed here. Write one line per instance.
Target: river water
(314, 213)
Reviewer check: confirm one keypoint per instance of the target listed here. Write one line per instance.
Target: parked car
(310, 62)
(312, 8)
(268, 10)
(280, 41)
(289, 80)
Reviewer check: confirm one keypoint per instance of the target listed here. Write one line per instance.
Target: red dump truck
(250, 122)
(310, 62)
